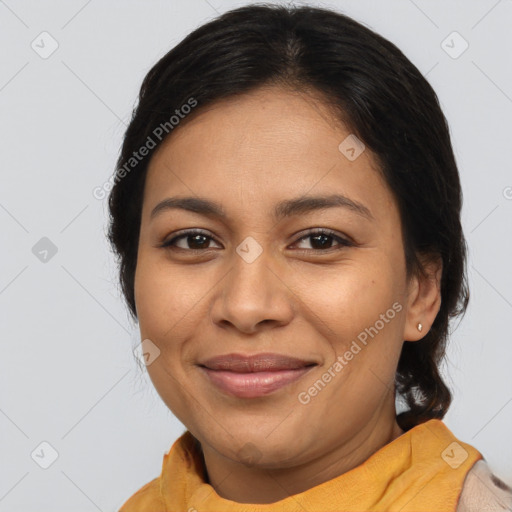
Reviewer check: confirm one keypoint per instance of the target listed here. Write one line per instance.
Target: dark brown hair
(375, 90)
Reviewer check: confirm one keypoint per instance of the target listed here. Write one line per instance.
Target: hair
(374, 90)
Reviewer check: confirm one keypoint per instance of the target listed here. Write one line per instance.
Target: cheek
(360, 317)
(161, 295)
(162, 311)
(350, 297)
(171, 304)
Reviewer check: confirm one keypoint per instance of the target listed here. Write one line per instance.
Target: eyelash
(169, 244)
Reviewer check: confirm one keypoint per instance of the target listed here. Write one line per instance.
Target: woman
(286, 212)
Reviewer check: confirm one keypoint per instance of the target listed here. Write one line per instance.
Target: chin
(255, 448)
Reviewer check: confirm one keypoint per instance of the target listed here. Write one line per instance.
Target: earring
(420, 327)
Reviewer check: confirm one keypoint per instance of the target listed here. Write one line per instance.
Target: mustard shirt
(423, 470)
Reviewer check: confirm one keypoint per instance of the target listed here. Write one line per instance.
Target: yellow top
(423, 470)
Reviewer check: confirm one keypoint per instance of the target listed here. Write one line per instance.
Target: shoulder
(483, 491)
(145, 499)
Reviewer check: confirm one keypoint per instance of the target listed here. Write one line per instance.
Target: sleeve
(484, 492)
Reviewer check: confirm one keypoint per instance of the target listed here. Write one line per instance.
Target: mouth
(256, 375)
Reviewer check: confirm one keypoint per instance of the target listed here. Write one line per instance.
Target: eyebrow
(286, 208)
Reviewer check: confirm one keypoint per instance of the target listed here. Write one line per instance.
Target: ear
(423, 299)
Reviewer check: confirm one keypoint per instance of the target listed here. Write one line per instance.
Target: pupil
(195, 237)
(322, 244)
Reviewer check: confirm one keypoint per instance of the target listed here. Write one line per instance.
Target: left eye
(320, 240)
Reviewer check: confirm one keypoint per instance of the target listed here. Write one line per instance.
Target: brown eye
(193, 241)
(323, 240)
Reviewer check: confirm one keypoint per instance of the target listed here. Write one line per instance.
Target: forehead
(251, 151)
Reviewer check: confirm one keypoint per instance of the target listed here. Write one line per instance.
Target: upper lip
(263, 362)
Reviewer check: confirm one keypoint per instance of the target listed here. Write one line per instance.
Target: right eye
(194, 239)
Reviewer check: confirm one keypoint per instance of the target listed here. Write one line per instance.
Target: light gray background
(68, 375)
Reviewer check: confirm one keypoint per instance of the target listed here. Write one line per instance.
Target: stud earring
(420, 327)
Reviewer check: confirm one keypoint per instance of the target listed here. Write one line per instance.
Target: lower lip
(253, 385)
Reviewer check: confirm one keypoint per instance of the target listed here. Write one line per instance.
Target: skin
(248, 153)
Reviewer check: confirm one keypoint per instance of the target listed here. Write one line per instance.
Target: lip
(254, 375)
(262, 362)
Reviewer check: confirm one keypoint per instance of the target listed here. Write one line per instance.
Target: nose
(253, 296)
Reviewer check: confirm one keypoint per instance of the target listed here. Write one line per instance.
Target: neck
(237, 482)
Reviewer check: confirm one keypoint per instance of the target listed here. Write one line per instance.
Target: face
(274, 274)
